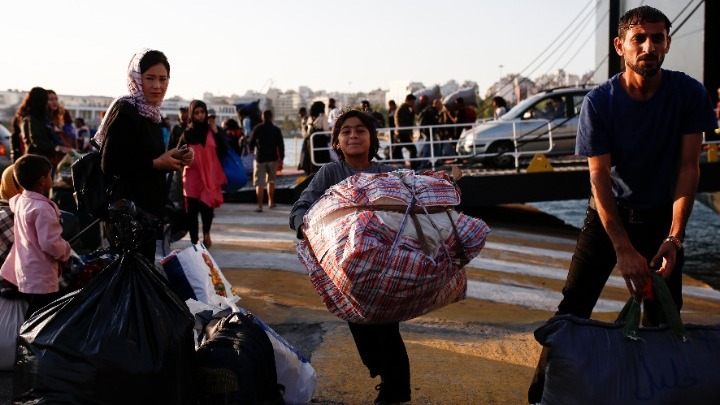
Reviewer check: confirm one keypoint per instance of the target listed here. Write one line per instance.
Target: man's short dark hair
(267, 115)
(640, 15)
(183, 109)
(29, 169)
(410, 97)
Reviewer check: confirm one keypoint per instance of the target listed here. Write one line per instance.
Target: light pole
(501, 76)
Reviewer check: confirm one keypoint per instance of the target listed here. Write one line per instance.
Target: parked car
(545, 122)
(4, 148)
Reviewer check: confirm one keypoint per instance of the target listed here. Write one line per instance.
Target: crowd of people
(440, 127)
(632, 223)
(635, 221)
(189, 156)
(191, 181)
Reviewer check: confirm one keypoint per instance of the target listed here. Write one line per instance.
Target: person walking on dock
(267, 141)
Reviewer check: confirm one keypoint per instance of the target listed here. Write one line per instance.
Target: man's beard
(646, 71)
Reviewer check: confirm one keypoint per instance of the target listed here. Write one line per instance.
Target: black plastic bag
(123, 339)
(236, 365)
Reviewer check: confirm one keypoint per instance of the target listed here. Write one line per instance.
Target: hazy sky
(83, 46)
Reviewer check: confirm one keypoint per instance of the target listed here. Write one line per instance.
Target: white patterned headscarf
(136, 98)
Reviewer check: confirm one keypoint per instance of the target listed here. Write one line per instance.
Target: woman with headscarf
(131, 140)
(204, 178)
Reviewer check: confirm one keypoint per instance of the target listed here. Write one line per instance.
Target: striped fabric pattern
(7, 233)
(371, 265)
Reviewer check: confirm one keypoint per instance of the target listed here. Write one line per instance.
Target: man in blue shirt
(642, 131)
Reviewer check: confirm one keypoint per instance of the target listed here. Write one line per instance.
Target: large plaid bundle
(389, 247)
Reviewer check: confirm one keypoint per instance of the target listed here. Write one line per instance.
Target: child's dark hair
(152, 58)
(367, 120)
(29, 169)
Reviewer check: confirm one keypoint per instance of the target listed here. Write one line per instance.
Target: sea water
(702, 256)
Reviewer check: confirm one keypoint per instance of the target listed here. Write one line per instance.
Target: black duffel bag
(592, 362)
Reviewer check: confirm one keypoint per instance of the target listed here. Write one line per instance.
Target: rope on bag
(407, 212)
(421, 235)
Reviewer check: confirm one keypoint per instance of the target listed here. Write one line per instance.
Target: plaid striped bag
(389, 247)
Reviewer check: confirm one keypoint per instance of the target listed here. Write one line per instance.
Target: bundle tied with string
(389, 247)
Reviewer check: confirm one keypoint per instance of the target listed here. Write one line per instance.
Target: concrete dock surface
(478, 351)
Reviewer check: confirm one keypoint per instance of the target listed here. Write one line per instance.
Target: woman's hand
(170, 160)
(187, 158)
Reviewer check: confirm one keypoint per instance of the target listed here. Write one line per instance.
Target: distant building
(86, 107)
(558, 79)
(401, 88)
(305, 93)
(513, 88)
(377, 98)
(9, 102)
(286, 105)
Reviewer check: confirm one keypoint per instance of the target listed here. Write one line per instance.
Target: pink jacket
(34, 260)
(204, 177)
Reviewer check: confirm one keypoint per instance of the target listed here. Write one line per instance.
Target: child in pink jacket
(33, 264)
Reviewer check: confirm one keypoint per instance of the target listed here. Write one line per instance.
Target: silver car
(544, 123)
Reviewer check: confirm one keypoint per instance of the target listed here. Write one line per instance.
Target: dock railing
(433, 145)
(435, 148)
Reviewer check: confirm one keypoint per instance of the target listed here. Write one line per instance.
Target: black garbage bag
(128, 227)
(236, 365)
(124, 338)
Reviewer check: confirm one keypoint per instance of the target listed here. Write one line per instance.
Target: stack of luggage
(135, 332)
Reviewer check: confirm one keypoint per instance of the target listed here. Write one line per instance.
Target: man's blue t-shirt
(643, 137)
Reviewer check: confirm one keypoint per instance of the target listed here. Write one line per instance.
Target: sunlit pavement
(478, 351)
